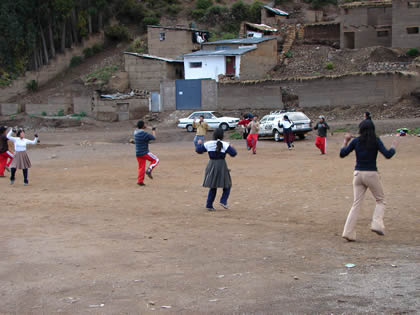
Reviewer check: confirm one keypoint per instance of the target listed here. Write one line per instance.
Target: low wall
(49, 109)
(48, 72)
(120, 110)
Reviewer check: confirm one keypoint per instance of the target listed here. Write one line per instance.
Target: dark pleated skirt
(21, 161)
(288, 136)
(217, 175)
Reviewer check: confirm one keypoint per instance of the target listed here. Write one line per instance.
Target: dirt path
(83, 234)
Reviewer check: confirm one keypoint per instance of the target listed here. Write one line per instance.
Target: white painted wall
(212, 67)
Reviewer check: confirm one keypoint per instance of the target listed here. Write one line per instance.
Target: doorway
(230, 65)
(349, 40)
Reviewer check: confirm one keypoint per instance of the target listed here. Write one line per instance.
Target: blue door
(188, 94)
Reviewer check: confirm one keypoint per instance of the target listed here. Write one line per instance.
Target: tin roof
(152, 57)
(275, 11)
(248, 40)
(261, 27)
(357, 4)
(224, 52)
(178, 28)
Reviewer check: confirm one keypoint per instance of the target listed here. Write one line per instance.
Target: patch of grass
(117, 33)
(44, 113)
(341, 130)
(413, 52)
(60, 113)
(101, 76)
(75, 61)
(236, 136)
(289, 54)
(88, 52)
(97, 48)
(5, 78)
(32, 86)
(79, 115)
(138, 46)
(329, 66)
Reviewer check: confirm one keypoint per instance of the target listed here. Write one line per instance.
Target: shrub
(413, 52)
(97, 48)
(329, 66)
(151, 20)
(32, 86)
(88, 52)
(138, 46)
(60, 113)
(221, 36)
(44, 113)
(75, 61)
(198, 14)
(117, 33)
(101, 76)
(174, 9)
(216, 14)
(203, 4)
(289, 54)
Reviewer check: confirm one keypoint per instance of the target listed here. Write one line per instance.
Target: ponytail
(219, 146)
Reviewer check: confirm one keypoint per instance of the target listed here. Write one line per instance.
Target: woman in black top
(366, 176)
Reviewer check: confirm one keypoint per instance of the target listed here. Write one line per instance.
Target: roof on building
(275, 11)
(224, 52)
(323, 23)
(178, 28)
(357, 4)
(244, 41)
(262, 27)
(152, 57)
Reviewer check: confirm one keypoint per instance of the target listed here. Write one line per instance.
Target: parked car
(269, 125)
(214, 119)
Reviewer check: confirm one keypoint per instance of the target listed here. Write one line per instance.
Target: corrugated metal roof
(179, 28)
(262, 27)
(356, 4)
(276, 11)
(152, 57)
(249, 40)
(225, 52)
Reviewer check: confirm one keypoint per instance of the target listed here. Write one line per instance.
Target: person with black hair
(202, 127)
(252, 139)
(142, 139)
(217, 173)
(288, 135)
(321, 138)
(6, 157)
(366, 176)
(21, 160)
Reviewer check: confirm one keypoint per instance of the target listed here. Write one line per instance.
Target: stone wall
(48, 72)
(257, 63)
(402, 18)
(322, 32)
(120, 110)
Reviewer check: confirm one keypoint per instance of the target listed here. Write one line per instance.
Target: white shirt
(286, 124)
(20, 144)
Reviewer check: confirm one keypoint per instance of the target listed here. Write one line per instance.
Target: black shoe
(149, 173)
(378, 232)
(141, 184)
(254, 152)
(211, 209)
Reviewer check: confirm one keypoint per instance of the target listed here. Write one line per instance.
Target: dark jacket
(322, 128)
(366, 157)
(141, 139)
(4, 146)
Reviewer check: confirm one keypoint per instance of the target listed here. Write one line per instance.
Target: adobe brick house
(273, 16)
(146, 72)
(242, 58)
(173, 41)
(406, 23)
(366, 23)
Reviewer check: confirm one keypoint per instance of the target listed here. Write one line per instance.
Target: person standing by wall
(21, 160)
(252, 139)
(366, 176)
(6, 157)
(142, 139)
(321, 139)
(217, 174)
(288, 135)
(202, 127)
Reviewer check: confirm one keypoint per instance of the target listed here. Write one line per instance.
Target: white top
(286, 124)
(212, 146)
(20, 144)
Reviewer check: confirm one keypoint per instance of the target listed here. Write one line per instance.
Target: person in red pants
(252, 139)
(142, 139)
(321, 139)
(6, 157)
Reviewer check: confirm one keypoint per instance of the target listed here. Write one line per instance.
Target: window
(196, 64)
(413, 30)
(382, 33)
(162, 36)
(208, 116)
(217, 114)
(195, 115)
(413, 4)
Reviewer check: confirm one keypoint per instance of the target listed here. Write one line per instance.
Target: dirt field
(83, 238)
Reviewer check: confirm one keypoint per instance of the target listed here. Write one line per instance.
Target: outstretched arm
(231, 151)
(35, 141)
(387, 153)
(347, 148)
(9, 136)
(200, 148)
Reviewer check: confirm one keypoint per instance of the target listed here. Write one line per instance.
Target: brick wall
(403, 17)
(255, 64)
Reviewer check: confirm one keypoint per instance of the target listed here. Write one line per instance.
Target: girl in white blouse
(21, 160)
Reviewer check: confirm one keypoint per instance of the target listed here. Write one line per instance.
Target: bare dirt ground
(83, 238)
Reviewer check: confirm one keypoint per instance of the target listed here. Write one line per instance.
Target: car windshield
(297, 116)
(217, 114)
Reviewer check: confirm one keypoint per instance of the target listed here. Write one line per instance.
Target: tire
(190, 128)
(301, 136)
(276, 135)
(224, 126)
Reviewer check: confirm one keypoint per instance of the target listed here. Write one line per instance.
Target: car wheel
(277, 135)
(224, 126)
(301, 136)
(190, 128)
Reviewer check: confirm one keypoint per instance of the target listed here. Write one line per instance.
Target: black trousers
(25, 174)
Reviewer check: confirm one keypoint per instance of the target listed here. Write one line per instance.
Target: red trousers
(154, 161)
(321, 143)
(251, 141)
(4, 157)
